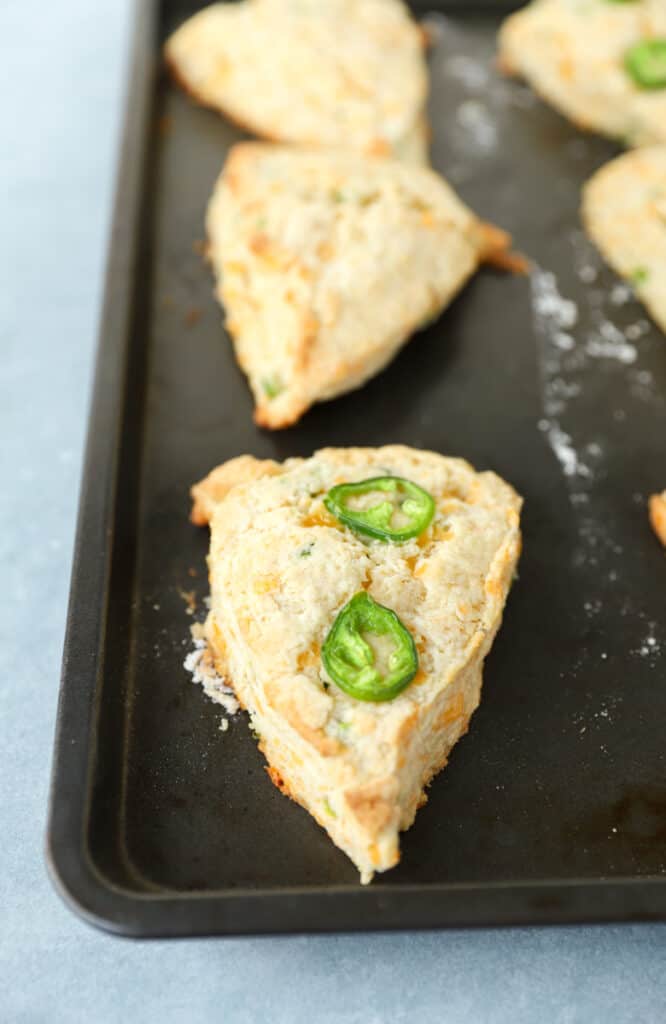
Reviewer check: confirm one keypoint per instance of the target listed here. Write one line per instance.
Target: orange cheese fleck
(320, 517)
(266, 584)
(451, 713)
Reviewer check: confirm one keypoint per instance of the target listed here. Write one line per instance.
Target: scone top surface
(624, 209)
(322, 72)
(282, 567)
(573, 53)
(327, 262)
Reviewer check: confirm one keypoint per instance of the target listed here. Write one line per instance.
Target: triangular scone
(281, 569)
(624, 210)
(327, 262)
(348, 73)
(573, 53)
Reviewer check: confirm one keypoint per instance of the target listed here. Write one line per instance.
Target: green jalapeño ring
(406, 511)
(369, 653)
(646, 63)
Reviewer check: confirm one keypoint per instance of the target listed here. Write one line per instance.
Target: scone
(346, 73)
(601, 63)
(354, 597)
(624, 211)
(657, 510)
(326, 262)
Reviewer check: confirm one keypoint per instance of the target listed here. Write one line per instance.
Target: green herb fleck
(306, 551)
(337, 196)
(328, 808)
(344, 725)
(272, 386)
(260, 223)
(639, 276)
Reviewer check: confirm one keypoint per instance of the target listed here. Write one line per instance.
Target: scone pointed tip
(496, 250)
(268, 419)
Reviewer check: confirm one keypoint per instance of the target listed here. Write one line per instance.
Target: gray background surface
(62, 73)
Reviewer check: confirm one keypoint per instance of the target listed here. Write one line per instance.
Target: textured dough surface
(572, 53)
(326, 262)
(624, 210)
(348, 73)
(281, 568)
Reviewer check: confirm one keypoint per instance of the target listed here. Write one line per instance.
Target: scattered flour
(555, 318)
(581, 348)
(620, 294)
(472, 74)
(572, 341)
(200, 664)
(610, 343)
(478, 123)
(637, 330)
(650, 646)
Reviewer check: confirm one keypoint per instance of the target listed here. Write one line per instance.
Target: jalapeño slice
(646, 63)
(405, 511)
(369, 653)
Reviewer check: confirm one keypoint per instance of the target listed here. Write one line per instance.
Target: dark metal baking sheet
(553, 808)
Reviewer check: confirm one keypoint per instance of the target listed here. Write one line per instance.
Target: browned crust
(373, 805)
(407, 727)
(196, 97)
(495, 250)
(505, 67)
(325, 745)
(307, 340)
(426, 36)
(378, 147)
(210, 491)
(279, 782)
(265, 417)
(657, 514)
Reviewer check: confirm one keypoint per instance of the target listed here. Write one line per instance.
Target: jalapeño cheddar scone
(601, 63)
(326, 262)
(348, 73)
(624, 210)
(354, 597)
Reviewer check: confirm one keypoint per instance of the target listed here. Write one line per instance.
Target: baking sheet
(553, 807)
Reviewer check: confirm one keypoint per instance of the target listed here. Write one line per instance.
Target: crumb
(199, 246)
(224, 724)
(197, 631)
(587, 274)
(192, 316)
(190, 599)
(199, 663)
(192, 572)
